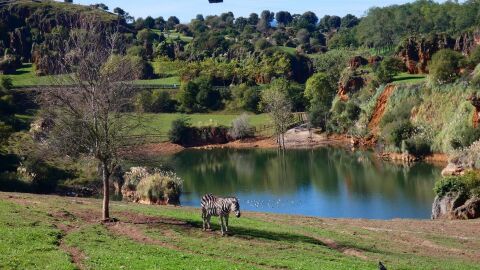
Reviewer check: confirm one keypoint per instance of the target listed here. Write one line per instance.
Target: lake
(324, 182)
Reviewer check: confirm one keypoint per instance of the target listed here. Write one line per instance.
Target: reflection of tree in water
(328, 170)
(365, 175)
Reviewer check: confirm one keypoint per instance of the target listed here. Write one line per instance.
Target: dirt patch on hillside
(153, 149)
(380, 107)
(294, 138)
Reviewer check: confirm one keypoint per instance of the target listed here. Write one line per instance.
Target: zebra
(219, 207)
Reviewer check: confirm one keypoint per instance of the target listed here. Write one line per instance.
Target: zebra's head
(235, 207)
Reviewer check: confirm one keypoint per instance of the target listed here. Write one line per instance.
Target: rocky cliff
(456, 205)
(416, 51)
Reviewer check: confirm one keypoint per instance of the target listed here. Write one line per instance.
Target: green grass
(172, 239)
(288, 50)
(168, 80)
(25, 76)
(409, 78)
(28, 240)
(161, 123)
(172, 34)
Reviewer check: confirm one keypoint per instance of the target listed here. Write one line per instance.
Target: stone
(444, 206)
(469, 210)
(453, 169)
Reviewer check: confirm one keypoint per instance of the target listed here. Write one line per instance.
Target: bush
(343, 116)
(465, 137)
(41, 176)
(469, 183)
(199, 95)
(241, 128)
(449, 184)
(244, 97)
(445, 66)
(160, 188)
(418, 147)
(179, 132)
(396, 132)
(471, 179)
(388, 69)
(133, 177)
(157, 101)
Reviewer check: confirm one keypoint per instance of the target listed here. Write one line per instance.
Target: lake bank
(325, 181)
(149, 236)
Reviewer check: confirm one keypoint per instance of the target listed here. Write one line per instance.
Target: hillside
(50, 232)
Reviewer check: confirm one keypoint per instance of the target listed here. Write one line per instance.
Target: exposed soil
(380, 107)
(153, 149)
(294, 138)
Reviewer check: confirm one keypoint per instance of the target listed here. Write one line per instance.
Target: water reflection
(329, 182)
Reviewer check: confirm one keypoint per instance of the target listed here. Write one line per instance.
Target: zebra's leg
(208, 222)
(226, 223)
(221, 225)
(204, 220)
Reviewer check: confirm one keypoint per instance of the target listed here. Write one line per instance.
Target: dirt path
(63, 221)
(380, 107)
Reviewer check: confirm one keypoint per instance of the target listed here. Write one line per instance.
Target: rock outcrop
(357, 62)
(475, 100)
(444, 206)
(453, 169)
(417, 51)
(350, 82)
(456, 205)
(469, 210)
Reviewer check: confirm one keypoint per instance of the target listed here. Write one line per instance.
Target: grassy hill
(50, 232)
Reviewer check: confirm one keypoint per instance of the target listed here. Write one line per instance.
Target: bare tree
(277, 105)
(88, 112)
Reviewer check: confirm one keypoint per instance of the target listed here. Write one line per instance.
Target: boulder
(475, 100)
(469, 210)
(350, 82)
(444, 206)
(357, 62)
(453, 169)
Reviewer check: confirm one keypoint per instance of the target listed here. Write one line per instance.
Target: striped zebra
(219, 207)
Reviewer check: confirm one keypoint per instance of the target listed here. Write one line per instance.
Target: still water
(325, 182)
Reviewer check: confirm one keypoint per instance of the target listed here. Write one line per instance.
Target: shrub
(418, 147)
(41, 176)
(471, 179)
(160, 187)
(244, 97)
(449, 184)
(161, 102)
(179, 132)
(465, 137)
(396, 132)
(343, 116)
(445, 66)
(241, 128)
(133, 177)
(388, 69)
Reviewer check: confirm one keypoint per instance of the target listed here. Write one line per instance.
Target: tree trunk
(106, 191)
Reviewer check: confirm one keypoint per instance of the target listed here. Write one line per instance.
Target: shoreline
(317, 141)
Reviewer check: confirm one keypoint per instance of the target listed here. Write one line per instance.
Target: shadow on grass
(407, 78)
(249, 233)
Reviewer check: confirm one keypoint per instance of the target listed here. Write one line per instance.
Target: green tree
(445, 66)
(320, 94)
(388, 69)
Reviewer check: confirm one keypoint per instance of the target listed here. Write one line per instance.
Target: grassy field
(25, 76)
(161, 123)
(50, 232)
(409, 78)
